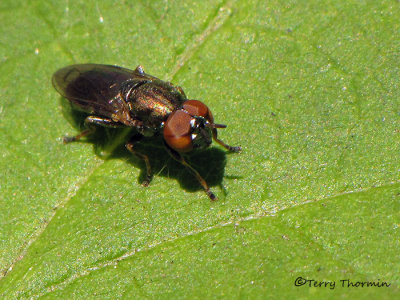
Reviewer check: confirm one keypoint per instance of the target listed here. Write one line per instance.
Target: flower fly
(117, 97)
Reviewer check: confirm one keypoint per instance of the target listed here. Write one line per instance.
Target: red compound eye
(177, 131)
(198, 108)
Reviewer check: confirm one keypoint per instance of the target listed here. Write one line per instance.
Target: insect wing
(91, 87)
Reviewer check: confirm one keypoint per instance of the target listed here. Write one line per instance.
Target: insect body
(118, 97)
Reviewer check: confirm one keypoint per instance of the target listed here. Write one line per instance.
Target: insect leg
(180, 90)
(130, 146)
(229, 148)
(178, 157)
(90, 123)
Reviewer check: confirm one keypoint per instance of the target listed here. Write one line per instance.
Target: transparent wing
(91, 87)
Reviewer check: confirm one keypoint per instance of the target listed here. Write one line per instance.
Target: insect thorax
(152, 102)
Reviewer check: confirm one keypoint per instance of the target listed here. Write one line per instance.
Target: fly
(117, 97)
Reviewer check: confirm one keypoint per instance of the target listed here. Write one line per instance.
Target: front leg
(177, 156)
(227, 147)
(90, 124)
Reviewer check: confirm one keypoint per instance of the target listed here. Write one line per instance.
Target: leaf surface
(309, 89)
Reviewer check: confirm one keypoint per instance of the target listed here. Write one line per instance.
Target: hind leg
(90, 123)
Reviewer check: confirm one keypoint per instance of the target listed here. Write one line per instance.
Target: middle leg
(131, 147)
(178, 157)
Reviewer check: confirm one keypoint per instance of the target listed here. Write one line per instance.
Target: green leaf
(309, 89)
